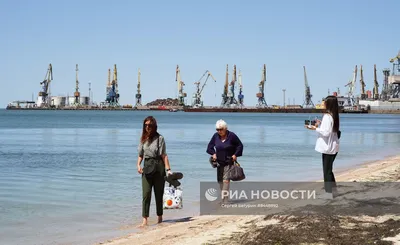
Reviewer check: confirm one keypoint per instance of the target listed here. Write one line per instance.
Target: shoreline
(213, 109)
(206, 229)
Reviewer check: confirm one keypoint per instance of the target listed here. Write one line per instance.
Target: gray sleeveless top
(147, 150)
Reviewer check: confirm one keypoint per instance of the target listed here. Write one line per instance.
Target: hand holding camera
(312, 124)
(317, 122)
(312, 127)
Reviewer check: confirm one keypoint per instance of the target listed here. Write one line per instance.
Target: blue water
(69, 177)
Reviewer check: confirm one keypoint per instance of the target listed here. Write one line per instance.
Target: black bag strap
(158, 146)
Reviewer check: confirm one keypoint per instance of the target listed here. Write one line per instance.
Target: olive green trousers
(156, 182)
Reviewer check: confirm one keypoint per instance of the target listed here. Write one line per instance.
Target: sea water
(70, 177)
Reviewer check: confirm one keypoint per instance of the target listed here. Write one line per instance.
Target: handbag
(172, 198)
(149, 167)
(236, 172)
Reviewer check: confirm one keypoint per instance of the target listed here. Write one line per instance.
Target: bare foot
(144, 223)
(142, 226)
(159, 219)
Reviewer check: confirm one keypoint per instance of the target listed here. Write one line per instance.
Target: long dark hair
(153, 132)
(332, 107)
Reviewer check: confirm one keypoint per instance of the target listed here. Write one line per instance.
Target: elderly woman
(224, 146)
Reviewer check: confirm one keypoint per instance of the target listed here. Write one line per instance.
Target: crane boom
(77, 95)
(351, 102)
(138, 85)
(197, 102)
(115, 79)
(226, 85)
(351, 84)
(181, 94)
(376, 85)
(198, 82)
(305, 77)
(177, 77)
(392, 60)
(138, 94)
(226, 80)
(204, 84)
(109, 78)
(362, 83)
(108, 85)
(234, 77)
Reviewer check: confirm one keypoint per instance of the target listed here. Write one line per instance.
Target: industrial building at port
(388, 99)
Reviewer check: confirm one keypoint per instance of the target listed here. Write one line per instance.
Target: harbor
(232, 99)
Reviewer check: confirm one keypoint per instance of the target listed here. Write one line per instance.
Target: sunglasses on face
(219, 129)
(148, 125)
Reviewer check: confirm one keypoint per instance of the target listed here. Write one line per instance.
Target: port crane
(362, 84)
(240, 95)
(260, 95)
(77, 95)
(308, 103)
(197, 102)
(394, 79)
(376, 85)
(138, 95)
(350, 103)
(181, 94)
(44, 94)
(231, 92)
(386, 90)
(113, 95)
(226, 85)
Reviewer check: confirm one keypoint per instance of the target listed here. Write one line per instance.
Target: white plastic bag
(172, 198)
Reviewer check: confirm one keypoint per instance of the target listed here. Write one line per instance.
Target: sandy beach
(375, 221)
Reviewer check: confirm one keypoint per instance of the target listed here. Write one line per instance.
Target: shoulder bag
(150, 167)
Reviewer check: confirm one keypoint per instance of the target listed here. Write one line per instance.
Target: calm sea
(69, 177)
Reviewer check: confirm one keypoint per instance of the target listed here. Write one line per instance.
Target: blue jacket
(224, 150)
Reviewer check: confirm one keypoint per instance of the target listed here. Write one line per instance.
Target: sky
(328, 37)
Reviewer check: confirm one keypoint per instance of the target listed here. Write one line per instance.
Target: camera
(307, 122)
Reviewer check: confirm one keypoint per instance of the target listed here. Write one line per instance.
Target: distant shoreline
(203, 229)
(208, 109)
